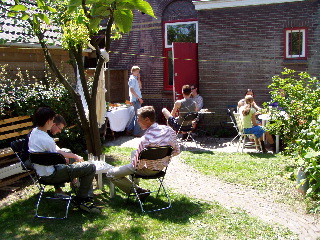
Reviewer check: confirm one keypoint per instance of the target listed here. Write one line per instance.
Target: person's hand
(141, 100)
(79, 158)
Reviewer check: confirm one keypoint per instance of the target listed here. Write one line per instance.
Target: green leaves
(301, 130)
(18, 8)
(123, 20)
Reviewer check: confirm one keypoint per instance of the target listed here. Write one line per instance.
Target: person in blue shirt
(135, 95)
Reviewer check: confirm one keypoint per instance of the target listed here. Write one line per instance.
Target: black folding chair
(152, 154)
(190, 116)
(45, 159)
(18, 148)
(49, 159)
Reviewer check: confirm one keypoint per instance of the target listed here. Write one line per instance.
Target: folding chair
(190, 116)
(234, 123)
(18, 148)
(152, 154)
(242, 135)
(45, 159)
(48, 159)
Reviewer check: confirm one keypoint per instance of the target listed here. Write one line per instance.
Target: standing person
(242, 102)
(155, 135)
(184, 106)
(250, 125)
(40, 141)
(135, 95)
(196, 97)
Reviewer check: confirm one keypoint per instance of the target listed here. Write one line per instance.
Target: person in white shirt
(40, 141)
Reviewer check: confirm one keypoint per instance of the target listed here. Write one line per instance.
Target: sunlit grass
(187, 219)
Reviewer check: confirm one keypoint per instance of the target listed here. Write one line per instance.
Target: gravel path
(230, 195)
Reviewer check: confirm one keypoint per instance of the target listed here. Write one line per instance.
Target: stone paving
(229, 195)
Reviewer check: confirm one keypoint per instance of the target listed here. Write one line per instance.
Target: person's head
(43, 116)
(58, 124)
(282, 92)
(249, 99)
(135, 70)
(194, 89)
(249, 92)
(186, 90)
(247, 108)
(146, 116)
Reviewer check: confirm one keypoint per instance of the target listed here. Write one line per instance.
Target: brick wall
(243, 47)
(239, 48)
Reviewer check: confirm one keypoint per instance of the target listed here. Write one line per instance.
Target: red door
(185, 66)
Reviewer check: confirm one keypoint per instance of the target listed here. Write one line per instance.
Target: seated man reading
(155, 135)
(40, 141)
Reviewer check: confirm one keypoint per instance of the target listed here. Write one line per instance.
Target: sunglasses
(192, 88)
(59, 127)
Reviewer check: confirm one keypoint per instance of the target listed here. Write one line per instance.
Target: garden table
(120, 118)
(103, 167)
(264, 119)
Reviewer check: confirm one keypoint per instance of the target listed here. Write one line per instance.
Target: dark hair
(147, 112)
(194, 86)
(44, 114)
(249, 90)
(186, 89)
(247, 108)
(58, 119)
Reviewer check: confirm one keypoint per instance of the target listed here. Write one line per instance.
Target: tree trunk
(90, 128)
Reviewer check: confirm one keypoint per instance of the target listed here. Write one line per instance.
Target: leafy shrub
(23, 95)
(299, 127)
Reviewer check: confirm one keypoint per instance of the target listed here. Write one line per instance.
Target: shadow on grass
(18, 219)
(261, 155)
(201, 152)
(180, 212)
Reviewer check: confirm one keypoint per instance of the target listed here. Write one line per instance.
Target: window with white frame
(296, 43)
(181, 32)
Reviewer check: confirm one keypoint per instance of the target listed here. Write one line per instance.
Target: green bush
(24, 94)
(299, 127)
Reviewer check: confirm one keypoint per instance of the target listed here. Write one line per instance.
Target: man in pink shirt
(155, 135)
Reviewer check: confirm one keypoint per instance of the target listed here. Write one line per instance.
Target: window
(181, 32)
(296, 43)
(186, 31)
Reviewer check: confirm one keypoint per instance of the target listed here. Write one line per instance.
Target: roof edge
(28, 45)
(206, 5)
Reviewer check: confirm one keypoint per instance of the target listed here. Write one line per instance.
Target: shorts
(256, 130)
(176, 126)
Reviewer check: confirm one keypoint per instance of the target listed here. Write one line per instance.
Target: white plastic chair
(239, 121)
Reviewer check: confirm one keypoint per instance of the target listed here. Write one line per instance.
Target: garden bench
(10, 167)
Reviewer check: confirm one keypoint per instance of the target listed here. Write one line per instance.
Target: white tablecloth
(120, 118)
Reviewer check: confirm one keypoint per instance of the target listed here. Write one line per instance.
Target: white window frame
(304, 43)
(178, 23)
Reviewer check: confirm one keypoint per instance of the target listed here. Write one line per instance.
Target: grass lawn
(264, 172)
(187, 219)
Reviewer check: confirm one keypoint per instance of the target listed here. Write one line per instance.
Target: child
(250, 125)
